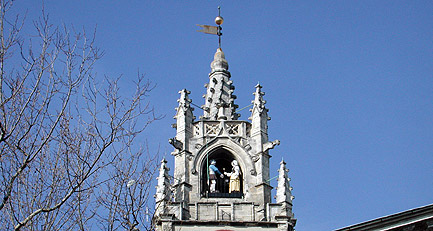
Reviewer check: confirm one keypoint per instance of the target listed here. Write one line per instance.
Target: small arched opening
(221, 187)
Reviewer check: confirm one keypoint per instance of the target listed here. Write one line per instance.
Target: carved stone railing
(234, 128)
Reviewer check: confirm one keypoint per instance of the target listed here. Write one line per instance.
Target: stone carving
(255, 158)
(176, 143)
(248, 132)
(196, 130)
(233, 129)
(212, 129)
(198, 146)
(270, 145)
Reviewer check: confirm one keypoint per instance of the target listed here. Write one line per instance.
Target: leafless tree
(68, 160)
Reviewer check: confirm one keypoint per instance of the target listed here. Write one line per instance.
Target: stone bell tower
(221, 171)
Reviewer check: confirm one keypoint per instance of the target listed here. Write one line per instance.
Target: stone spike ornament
(219, 98)
(163, 190)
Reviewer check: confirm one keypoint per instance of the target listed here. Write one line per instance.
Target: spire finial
(219, 20)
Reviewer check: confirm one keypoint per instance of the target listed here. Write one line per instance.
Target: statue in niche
(213, 170)
(235, 180)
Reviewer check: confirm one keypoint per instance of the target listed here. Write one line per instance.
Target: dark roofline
(395, 220)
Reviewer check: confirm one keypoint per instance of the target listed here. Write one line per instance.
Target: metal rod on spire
(216, 30)
(219, 20)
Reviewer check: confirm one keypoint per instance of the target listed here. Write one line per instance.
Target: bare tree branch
(68, 159)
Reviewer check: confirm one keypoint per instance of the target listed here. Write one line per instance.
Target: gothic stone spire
(259, 119)
(184, 118)
(284, 193)
(259, 108)
(219, 98)
(163, 190)
(184, 107)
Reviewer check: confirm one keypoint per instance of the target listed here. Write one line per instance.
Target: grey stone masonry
(219, 98)
(218, 136)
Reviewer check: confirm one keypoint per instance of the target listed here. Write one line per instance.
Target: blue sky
(348, 83)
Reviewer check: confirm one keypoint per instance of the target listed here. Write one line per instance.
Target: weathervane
(216, 30)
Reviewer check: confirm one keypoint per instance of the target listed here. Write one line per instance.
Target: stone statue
(235, 181)
(213, 170)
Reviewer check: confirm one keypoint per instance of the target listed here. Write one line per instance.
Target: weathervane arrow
(216, 30)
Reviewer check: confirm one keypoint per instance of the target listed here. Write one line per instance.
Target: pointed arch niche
(223, 151)
(223, 157)
(222, 148)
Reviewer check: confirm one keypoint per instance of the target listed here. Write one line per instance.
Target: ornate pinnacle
(259, 102)
(219, 98)
(284, 193)
(163, 191)
(259, 105)
(184, 102)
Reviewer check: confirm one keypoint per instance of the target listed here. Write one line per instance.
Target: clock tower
(221, 164)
